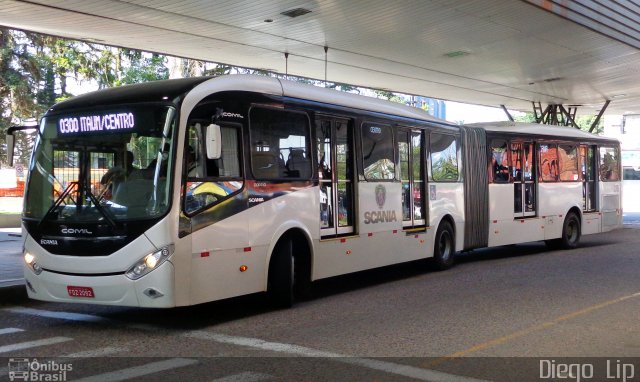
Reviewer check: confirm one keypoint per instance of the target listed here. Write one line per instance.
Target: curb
(13, 294)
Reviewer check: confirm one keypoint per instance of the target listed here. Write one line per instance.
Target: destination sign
(96, 123)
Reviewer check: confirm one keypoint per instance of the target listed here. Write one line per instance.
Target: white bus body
(306, 188)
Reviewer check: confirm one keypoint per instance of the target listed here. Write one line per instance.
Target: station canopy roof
(489, 52)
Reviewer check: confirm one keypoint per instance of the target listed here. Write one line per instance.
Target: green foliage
(389, 96)
(583, 121)
(34, 70)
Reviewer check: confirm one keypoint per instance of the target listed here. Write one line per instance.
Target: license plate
(79, 291)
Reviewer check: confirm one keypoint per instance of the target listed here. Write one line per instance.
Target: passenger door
(524, 187)
(588, 170)
(334, 140)
(409, 147)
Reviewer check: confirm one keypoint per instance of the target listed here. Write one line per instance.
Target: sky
(462, 112)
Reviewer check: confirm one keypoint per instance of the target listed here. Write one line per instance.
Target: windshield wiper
(67, 191)
(100, 209)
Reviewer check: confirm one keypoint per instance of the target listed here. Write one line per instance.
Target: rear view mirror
(214, 142)
(10, 147)
(11, 140)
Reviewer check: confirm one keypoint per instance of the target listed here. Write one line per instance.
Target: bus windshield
(103, 165)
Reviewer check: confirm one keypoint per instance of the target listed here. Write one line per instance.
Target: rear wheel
(571, 232)
(281, 275)
(444, 247)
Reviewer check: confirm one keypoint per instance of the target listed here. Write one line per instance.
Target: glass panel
(444, 157)
(279, 144)
(568, 163)
(345, 201)
(590, 163)
(403, 154)
(548, 163)
(378, 152)
(323, 142)
(204, 194)
(228, 166)
(406, 201)
(100, 163)
(125, 179)
(516, 162)
(416, 150)
(326, 205)
(591, 200)
(517, 197)
(343, 152)
(499, 162)
(609, 164)
(528, 162)
(417, 201)
(529, 197)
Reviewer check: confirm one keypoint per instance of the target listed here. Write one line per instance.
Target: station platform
(12, 286)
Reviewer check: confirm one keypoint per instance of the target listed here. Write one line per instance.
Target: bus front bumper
(154, 290)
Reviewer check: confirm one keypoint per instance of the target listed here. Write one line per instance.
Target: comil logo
(82, 231)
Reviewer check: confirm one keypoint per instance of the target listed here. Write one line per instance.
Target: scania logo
(76, 230)
(381, 195)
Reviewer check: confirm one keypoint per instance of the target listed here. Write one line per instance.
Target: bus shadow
(237, 308)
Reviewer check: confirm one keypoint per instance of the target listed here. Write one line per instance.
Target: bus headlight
(31, 262)
(149, 262)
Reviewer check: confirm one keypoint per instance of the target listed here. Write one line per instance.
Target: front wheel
(444, 247)
(281, 275)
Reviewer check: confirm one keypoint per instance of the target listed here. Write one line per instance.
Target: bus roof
(153, 91)
(203, 86)
(539, 129)
(291, 89)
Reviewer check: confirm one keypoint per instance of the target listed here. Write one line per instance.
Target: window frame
(211, 179)
(577, 160)
(507, 151)
(618, 152)
(394, 159)
(309, 144)
(456, 139)
(540, 165)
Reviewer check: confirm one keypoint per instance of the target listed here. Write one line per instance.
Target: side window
(280, 144)
(444, 157)
(609, 164)
(210, 181)
(548, 162)
(568, 169)
(499, 170)
(377, 152)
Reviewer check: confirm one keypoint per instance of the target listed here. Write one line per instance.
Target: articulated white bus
(180, 192)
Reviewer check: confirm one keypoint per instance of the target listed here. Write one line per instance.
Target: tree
(35, 71)
(583, 121)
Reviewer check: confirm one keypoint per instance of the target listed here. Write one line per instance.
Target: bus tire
(281, 275)
(571, 231)
(444, 247)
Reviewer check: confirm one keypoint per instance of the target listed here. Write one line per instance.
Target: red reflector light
(243, 268)
(370, 234)
(247, 249)
(395, 231)
(343, 240)
(204, 254)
